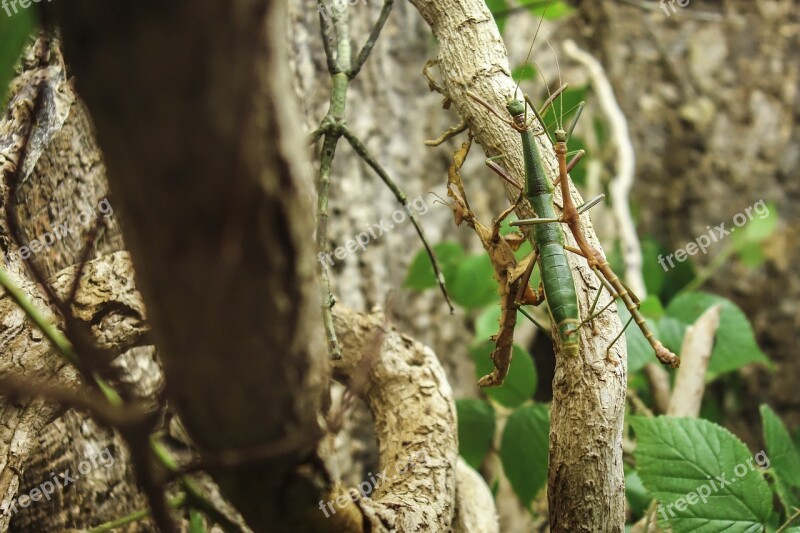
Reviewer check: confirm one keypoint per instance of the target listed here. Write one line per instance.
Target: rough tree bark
(62, 178)
(585, 486)
(253, 222)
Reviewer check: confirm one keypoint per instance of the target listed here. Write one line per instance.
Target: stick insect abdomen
(559, 288)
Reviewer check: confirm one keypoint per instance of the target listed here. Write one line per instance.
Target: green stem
(401, 197)
(175, 503)
(715, 264)
(791, 519)
(194, 496)
(53, 334)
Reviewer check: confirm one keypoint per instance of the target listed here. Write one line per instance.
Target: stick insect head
(518, 111)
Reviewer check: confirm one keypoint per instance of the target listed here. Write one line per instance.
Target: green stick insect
(557, 283)
(539, 192)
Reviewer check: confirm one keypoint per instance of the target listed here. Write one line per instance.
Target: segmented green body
(559, 288)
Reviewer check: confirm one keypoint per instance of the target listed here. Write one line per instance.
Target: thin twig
(114, 416)
(176, 503)
(373, 37)
(332, 128)
(788, 522)
(362, 151)
(86, 254)
(327, 37)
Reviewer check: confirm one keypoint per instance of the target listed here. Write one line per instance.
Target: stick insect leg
(608, 350)
(551, 98)
(575, 119)
(571, 164)
(362, 151)
(591, 203)
(450, 133)
(522, 297)
(500, 171)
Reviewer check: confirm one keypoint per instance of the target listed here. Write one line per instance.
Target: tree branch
(585, 486)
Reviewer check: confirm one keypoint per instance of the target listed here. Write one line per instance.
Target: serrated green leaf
(782, 456)
(671, 333)
(735, 344)
(420, 273)
(15, 30)
(473, 284)
(476, 423)
(637, 495)
(520, 383)
(524, 450)
(705, 478)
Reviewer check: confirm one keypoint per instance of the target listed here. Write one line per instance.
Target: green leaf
(639, 350)
(760, 224)
(498, 9)
(552, 10)
(476, 423)
(751, 255)
(651, 307)
(523, 72)
(676, 279)
(653, 273)
(637, 495)
(704, 477)
(473, 284)
(420, 274)
(783, 457)
(671, 332)
(15, 30)
(520, 383)
(735, 344)
(524, 450)
(487, 323)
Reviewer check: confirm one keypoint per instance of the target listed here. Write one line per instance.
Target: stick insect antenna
(528, 55)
